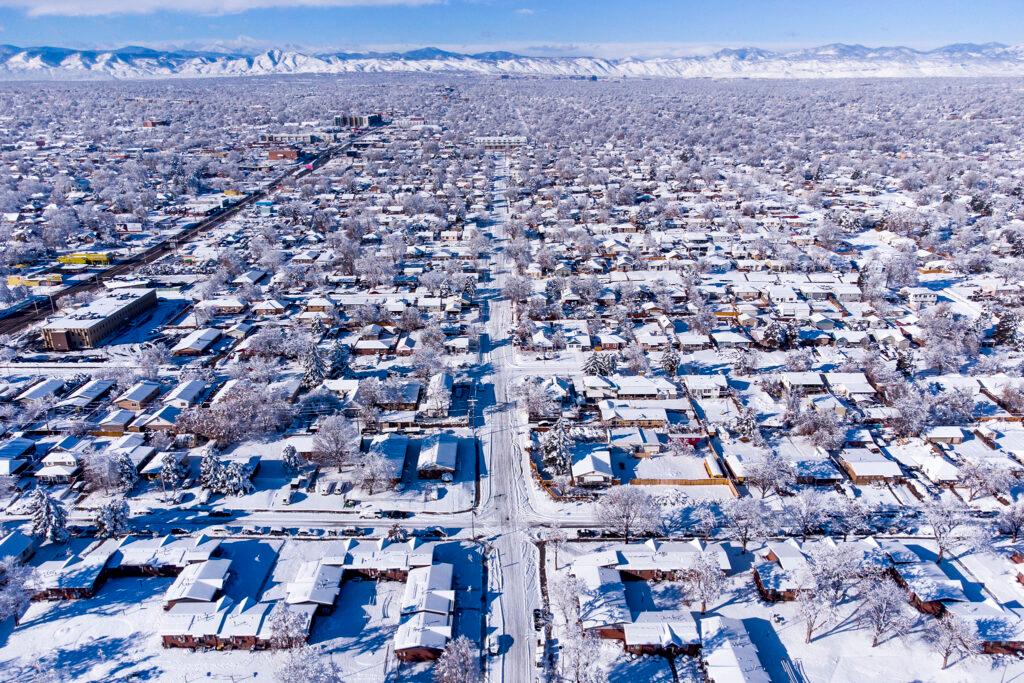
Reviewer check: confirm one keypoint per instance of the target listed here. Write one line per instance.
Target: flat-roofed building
(87, 327)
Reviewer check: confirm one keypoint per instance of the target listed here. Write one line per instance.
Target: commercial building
(358, 120)
(86, 327)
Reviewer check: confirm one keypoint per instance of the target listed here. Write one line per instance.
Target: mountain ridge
(837, 60)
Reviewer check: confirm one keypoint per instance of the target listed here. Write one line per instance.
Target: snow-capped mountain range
(828, 61)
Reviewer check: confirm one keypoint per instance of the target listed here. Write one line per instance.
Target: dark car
(396, 514)
(587, 533)
(219, 513)
(431, 532)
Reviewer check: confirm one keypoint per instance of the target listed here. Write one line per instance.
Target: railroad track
(21, 319)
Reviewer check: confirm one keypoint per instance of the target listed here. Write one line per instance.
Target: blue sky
(595, 27)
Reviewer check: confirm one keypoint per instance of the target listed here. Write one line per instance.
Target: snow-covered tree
(580, 656)
(287, 626)
(555, 539)
(112, 519)
(824, 428)
(127, 473)
(746, 425)
(315, 366)
(984, 479)
(308, 664)
(290, 459)
(768, 472)
(745, 519)
(557, 445)
(535, 398)
(629, 510)
(813, 611)
(210, 470)
(375, 472)
(950, 635)
(1011, 520)
(848, 516)
(15, 593)
(235, 479)
(884, 609)
(809, 510)
(705, 579)
(636, 359)
(173, 472)
(336, 442)
(950, 524)
(100, 471)
(49, 517)
(458, 663)
(670, 362)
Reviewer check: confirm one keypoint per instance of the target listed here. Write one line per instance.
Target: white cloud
(209, 7)
(525, 11)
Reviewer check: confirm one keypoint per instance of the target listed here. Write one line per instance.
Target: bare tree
(458, 663)
(768, 472)
(884, 609)
(705, 579)
(745, 518)
(952, 635)
(628, 510)
(949, 522)
(809, 509)
(335, 443)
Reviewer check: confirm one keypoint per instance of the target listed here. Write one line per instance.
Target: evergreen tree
(670, 362)
(315, 366)
(112, 519)
(127, 474)
(291, 459)
(1007, 330)
(593, 365)
(557, 445)
(210, 471)
(235, 480)
(173, 472)
(49, 517)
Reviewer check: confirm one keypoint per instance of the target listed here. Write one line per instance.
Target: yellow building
(91, 258)
(40, 280)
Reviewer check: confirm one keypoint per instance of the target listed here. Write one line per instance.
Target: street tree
(629, 510)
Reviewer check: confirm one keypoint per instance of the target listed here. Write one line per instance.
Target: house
(136, 397)
(16, 547)
(196, 343)
(603, 605)
(199, 582)
(865, 466)
(87, 394)
(185, 394)
(593, 468)
(15, 454)
(161, 555)
(919, 297)
(662, 632)
(315, 583)
(641, 443)
(621, 414)
(779, 575)
(427, 611)
(706, 386)
(438, 456)
(728, 653)
(73, 577)
(438, 397)
(59, 467)
(929, 588)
